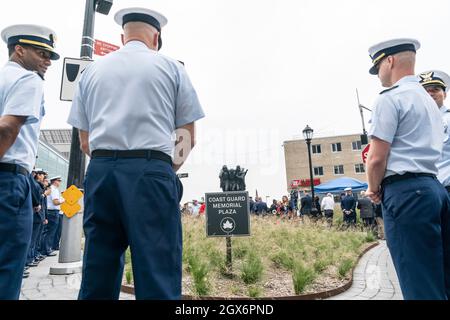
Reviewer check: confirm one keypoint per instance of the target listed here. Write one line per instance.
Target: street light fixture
(104, 6)
(308, 135)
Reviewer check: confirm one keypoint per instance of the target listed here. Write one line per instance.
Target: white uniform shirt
(21, 94)
(444, 163)
(327, 203)
(406, 117)
(55, 195)
(134, 98)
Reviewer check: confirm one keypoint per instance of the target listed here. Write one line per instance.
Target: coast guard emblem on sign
(227, 225)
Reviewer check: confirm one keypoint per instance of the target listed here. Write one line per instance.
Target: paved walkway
(374, 278)
(40, 285)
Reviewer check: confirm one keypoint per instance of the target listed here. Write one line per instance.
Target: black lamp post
(308, 135)
(77, 161)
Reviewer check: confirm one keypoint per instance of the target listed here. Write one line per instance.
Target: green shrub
(302, 276)
(129, 276)
(283, 259)
(344, 267)
(199, 272)
(254, 292)
(240, 251)
(320, 265)
(252, 269)
(370, 237)
(128, 256)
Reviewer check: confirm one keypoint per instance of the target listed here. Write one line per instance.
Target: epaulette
(391, 88)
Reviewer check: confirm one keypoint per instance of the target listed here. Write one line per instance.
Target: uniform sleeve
(188, 108)
(384, 120)
(55, 194)
(25, 98)
(77, 117)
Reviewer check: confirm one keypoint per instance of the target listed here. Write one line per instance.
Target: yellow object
(71, 207)
(72, 195)
(69, 210)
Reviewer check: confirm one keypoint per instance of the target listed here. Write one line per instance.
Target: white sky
(263, 69)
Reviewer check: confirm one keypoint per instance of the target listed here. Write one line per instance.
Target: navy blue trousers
(416, 216)
(55, 245)
(132, 202)
(16, 222)
(52, 229)
(32, 251)
(42, 243)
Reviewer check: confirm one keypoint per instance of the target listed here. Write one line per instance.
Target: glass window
(356, 145)
(318, 171)
(336, 147)
(359, 168)
(338, 170)
(316, 148)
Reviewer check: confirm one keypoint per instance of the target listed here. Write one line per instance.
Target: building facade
(331, 157)
(49, 159)
(60, 139)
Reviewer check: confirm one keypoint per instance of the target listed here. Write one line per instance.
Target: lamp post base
(66, 268)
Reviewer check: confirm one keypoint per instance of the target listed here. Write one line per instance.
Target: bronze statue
(232, 179)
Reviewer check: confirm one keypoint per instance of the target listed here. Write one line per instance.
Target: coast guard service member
(127, 107)
(30, 49)
(407, 134)
(437, 83)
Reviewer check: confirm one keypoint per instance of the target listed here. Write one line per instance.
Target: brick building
(331, 157)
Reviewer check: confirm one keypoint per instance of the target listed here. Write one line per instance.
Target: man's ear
(19, 50)
(392, 61)
(122, 38)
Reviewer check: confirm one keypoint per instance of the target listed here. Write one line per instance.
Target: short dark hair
(11, 49)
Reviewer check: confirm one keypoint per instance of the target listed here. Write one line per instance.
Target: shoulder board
(391, 88)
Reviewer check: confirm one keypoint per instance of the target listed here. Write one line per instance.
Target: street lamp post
(308, 135)
(69, 260)
(77, 162)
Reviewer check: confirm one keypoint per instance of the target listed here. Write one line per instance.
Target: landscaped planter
(313, 296)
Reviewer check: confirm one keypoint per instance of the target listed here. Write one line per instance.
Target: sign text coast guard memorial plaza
(227, 214)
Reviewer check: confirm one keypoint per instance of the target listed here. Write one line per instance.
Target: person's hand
(38, 208)
(375, 196)
(45, 221)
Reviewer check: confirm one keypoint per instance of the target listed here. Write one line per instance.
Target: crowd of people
(324, 207)
(47, 218)
(299, 204)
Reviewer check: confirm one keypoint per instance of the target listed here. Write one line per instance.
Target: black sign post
(227, 215)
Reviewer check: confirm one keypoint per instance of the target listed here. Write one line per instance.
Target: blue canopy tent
(338, 185)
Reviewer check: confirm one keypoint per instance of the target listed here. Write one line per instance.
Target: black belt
(148, 154)
(407, 175)
(10, 167)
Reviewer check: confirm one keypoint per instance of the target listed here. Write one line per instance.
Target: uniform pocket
(158, 175)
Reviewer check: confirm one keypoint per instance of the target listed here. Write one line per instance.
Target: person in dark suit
(306, 204)
(366, 211)
(348, 206)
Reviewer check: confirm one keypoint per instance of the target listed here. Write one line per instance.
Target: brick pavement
(374, 278)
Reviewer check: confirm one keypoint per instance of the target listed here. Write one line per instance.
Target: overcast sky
(263, 69)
